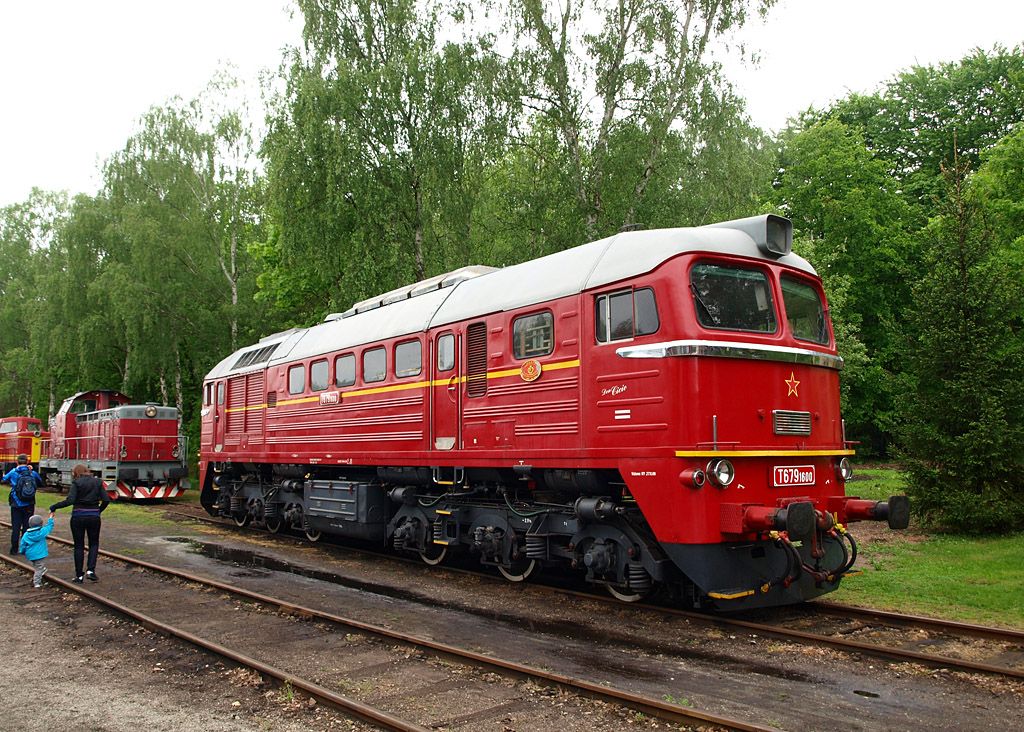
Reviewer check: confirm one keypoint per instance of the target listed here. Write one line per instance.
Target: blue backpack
(26, 486)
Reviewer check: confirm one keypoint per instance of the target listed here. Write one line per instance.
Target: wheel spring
(437, 529)
(271, 510)
(639, 579)
(536, 546)
(237, 503)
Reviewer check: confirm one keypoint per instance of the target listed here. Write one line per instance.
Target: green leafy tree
(925, 112)
(963, 412)
(184, 206)
(379, 148)
(649, 70)
(853, 226)
(26, 232)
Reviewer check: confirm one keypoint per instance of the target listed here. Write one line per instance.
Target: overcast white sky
(76, 76)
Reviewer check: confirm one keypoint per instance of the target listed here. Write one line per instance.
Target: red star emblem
(792, 383)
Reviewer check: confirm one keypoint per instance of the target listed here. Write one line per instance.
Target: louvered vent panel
(791, 423)
(476, 368)
(254, 400)
(236, 402)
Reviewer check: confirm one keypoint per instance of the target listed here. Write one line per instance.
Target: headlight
(844, 469)
(721, 472)
(150, 411)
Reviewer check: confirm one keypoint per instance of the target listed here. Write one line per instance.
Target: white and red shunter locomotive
(135, 449)
(658, 409)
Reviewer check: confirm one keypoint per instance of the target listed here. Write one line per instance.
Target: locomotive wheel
(625, 595)
(519, 570)
(434, 554)
(273, 525)
(312, 535)
(241, 521)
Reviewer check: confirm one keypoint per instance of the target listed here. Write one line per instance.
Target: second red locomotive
(655, 409)
(136, 449)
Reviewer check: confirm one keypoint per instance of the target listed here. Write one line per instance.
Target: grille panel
(791, 423)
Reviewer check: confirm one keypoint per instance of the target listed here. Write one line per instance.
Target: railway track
(849, 629)
(468, 673)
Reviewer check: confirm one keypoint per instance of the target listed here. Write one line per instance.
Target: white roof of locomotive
(475, 292)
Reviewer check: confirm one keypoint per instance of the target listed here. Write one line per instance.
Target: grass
(973, 579)
(120, 510)
(876, 483)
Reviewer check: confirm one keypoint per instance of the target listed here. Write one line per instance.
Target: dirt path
(70, 666)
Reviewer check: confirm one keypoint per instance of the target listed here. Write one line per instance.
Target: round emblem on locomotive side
(530, 370)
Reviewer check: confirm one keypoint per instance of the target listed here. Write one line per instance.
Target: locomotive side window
(375, 365)
(7, 427)
(220, 392)
(207, 391)
(408, 359)
(805, 312)
(297, 379)
(446, 352)
(623, 315)
(345, 370)
(533, 335)
(732, 298)
(319, 376)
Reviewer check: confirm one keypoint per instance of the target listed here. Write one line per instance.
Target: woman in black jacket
(88, 499)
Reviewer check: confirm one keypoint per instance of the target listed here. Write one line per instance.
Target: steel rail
(843, 644)
(1008, 635)
(648, 705)
(363, 711)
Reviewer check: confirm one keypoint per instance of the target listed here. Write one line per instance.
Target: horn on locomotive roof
(772, 234)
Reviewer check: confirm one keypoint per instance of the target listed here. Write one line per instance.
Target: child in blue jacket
(33, 546)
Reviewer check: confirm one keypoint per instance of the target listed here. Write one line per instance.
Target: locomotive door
(446, 391)
(220, 417)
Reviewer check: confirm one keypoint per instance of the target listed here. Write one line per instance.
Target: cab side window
(624, 315)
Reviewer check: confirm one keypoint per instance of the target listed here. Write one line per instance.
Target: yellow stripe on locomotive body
(762, 453)
(497, 374)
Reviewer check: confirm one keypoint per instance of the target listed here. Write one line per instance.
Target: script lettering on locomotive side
(786, 475)
(614, 390)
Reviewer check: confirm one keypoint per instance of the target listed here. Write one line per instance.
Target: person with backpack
(23, 481)
(33, 546)
(89, 498)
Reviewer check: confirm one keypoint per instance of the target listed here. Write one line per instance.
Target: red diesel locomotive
(658, 409)
(134, 448)
(20, 436)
